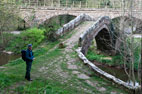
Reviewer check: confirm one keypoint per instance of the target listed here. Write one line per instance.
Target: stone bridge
(102, 31)
(42, 14)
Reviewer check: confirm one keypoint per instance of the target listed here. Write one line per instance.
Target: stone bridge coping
(102, 21)
(105, 74)
(73, 23)
(79, 9)
(83, 35)
(42, 14)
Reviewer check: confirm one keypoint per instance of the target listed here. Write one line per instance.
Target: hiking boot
(29, 79)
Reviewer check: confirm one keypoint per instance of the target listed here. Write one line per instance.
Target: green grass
(40, 86)
(51, 75)
(116, 60)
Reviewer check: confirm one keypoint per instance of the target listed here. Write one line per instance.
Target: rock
(91, 83)
(83, 76)
(102, 89)
(72, 67)
(61, 45)
(15, 32)
(75, 72)
(107, 58)
(113, 93)
(8, 52)
(2, 67)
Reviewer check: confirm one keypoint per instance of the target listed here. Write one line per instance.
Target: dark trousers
(28, 70)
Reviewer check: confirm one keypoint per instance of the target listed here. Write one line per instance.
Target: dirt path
(78, 31)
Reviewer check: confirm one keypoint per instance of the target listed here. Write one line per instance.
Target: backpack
(23, 55)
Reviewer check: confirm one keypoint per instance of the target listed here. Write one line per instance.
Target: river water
(5, 58)
(117, 72)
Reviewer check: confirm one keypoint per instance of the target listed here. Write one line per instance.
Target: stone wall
(87, 37)
(105, 74)
(73, 23)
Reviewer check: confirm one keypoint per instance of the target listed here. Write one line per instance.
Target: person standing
(29, 60)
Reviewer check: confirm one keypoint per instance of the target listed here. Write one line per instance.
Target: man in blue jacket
(29, 60)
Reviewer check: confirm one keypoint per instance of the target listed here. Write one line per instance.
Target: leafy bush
(93, 56)
(117, 60)
(32, 36)
(50, 30)
(6, 38)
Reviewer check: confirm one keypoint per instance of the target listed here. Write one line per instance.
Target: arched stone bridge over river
(102, 27)
(42, 14)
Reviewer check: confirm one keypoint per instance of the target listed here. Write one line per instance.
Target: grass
(117, 60)
(51, 75)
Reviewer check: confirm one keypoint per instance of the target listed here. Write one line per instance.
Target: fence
(115, 4)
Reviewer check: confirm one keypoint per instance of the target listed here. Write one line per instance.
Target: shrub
(32, 36)
(6, 38)
(50, 30)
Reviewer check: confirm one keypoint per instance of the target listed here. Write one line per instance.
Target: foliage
(50, 30)
(105, 3)
(117, 60)
(9, 21)
(53, 24)
(8, 17)
(32, 36)
(42, 85)
(7, 38)
(6, 80)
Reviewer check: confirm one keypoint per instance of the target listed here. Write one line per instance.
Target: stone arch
(22, 24)
(103, 40)
(102, 29)
(137, 23)
(56, 15)
(65, 16)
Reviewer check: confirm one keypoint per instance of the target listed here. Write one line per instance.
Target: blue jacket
(29, 55)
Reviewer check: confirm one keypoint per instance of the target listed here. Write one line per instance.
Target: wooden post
(29, 2)
(44, 3)
(113, 4)
(141, 4)
(80, 4)
(37, 3)
(121, 4)
(105, 4)
(52, 4)
(66, 3)
(86, 4)
(25, 3)
(99, 4)
(73, 4)
(59, 3)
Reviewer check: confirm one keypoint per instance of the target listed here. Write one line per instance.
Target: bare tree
(9, 19)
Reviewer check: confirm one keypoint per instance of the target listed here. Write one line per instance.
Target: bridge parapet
(73, 23)
(87, 37)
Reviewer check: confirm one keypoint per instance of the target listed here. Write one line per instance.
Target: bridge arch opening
(103, 40)
(128, 23)
(60, 19)
(53, 24)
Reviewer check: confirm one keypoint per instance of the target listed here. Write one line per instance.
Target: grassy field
(51, 74)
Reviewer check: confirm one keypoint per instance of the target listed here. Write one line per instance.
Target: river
(5, 58)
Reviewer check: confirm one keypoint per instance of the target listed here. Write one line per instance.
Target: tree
(9, 19)
(130, 48)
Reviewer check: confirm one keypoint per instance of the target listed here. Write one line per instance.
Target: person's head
(30, 46)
